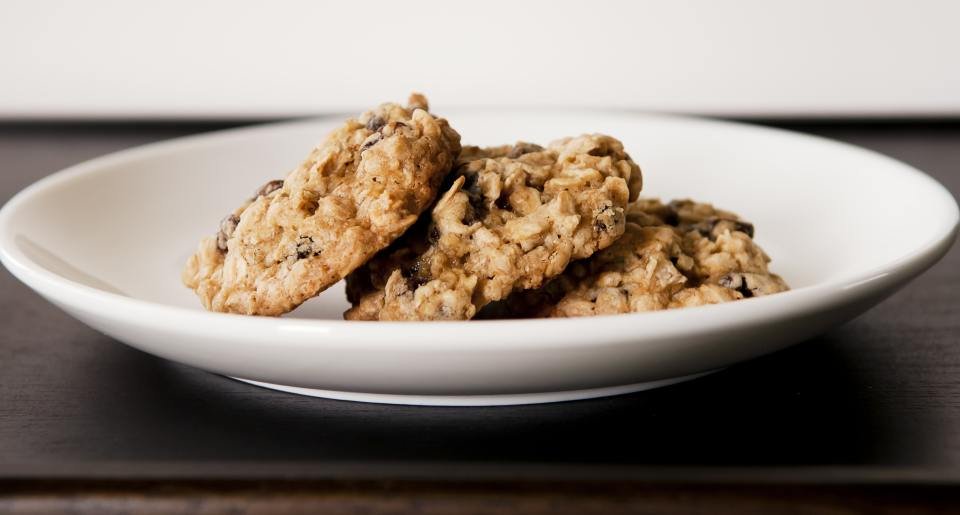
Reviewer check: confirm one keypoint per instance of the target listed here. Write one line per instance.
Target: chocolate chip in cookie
(227, 225)
(375, 123)
(269, 188)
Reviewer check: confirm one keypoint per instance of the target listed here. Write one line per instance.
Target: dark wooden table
(864, 418)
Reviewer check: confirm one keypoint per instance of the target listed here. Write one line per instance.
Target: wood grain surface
(868, 413)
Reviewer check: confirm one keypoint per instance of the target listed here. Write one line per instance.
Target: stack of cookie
(422, 229)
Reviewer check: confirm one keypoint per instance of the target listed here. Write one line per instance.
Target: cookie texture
(359, 190)
(671, 255)
(510, 218)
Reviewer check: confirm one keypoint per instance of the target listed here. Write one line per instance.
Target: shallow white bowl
(105, 241)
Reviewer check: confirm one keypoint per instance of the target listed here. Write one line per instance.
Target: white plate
(105, 240)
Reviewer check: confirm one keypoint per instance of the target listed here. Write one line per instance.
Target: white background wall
(179, 58)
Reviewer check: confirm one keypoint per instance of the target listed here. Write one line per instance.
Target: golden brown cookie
(670, 255)
(356, 192)
(511, 217)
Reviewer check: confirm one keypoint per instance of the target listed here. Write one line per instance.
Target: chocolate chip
(227, 226)
(478, 208)
(744, 227)
(736, 282)
(604, 215)
(706, 227)
(413, 276)
(671, 217)
(269, 188)
(371, 141)
(434, 235)
(305, 247)
(471, 185)
(375, 123)
(469, 217)
(503, 201)
(522, 148)
(411, 269)
(730, 281)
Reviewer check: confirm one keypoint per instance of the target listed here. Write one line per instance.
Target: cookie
(511, 217)
(359, 190)
(671, 255)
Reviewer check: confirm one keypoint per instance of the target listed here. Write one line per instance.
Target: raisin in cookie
(512, 217)
(671, 255)
(357, 191)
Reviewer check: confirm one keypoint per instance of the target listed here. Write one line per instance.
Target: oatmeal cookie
(356, 192)
(512, 217)
(671, 255)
